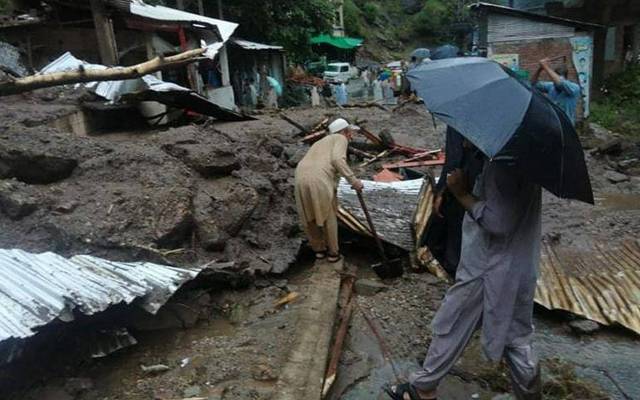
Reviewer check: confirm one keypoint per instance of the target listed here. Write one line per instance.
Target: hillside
(393, 28)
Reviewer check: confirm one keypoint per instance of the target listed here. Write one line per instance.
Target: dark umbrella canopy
(421, 53)
(507, 121)
(446, 51)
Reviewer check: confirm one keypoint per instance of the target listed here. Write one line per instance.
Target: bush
(431, 19)
(371, 12)
(352, 24)
(619, 107)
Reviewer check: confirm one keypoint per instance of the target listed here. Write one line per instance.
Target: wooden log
(313, 137)
(413, 164)
(104, 33)
(348, 304)
(360, 153)
(33, 82)
(303, 130)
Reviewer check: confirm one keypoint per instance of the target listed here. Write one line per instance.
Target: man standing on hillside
(316, 183)
(560, 89)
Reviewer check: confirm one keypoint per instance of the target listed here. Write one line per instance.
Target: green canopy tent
(336, 48)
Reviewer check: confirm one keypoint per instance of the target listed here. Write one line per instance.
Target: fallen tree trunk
(33, 82)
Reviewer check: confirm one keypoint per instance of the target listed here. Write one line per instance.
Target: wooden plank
(104, 33)
(404, 164)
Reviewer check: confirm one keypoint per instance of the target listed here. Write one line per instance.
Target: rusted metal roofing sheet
(602, 284)
(36, 289)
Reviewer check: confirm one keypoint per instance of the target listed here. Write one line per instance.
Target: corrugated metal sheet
(601, 284)
(36, 289)
(247, 45)
(160, 13)
(506, 28)
(392, 207)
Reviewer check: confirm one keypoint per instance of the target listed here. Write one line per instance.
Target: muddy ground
(223, 192)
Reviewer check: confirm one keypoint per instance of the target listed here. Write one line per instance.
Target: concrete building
(615, 46)
(519, 39)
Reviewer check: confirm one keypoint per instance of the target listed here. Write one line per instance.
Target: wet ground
(605, 363)
(236, 353)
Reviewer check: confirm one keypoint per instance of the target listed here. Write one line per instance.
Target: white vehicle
(339, 72)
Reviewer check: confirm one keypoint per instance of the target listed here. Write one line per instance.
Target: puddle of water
(616, 353)
(619, 201)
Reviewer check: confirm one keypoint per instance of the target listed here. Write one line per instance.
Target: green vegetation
(618, 109)
(289, 23)
(393, 28)
(4, 6)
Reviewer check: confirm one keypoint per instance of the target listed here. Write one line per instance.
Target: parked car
(339, 72)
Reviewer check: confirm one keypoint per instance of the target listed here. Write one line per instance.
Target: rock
(221, 212)
(584, 326)
(192, 391)
(66, 207)
(264, 373)
(76, 386)
(210, 163)
(186, 313)
(629, 163)
(369, 287)
(294, 155)
(155, 369)
(15, 201)
(599, 132)
(611, 147)
(615, 177)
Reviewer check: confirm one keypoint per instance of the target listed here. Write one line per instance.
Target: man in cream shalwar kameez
(316, 183)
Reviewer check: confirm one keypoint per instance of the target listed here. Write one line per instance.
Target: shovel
(385, 269)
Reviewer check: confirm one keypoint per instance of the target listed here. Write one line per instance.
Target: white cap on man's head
(340, 124)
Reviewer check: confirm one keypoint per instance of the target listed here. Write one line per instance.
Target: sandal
(321, 255)
(398, 392)
(334, 258)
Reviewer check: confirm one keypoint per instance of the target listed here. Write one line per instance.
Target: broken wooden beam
(347, 304)
(313, 137)
(413, 164)
(360, 153)
(303, 130)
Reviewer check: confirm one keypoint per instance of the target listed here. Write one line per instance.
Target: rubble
(368, 287)
(584, 326)
(616, 177)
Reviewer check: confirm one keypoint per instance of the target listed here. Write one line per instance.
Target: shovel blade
(389, 269)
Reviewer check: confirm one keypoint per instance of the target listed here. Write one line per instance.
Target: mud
(223, 191)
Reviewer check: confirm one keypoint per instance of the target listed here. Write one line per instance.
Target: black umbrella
(507, 121)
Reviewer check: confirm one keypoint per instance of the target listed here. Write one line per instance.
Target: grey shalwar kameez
(495, 282)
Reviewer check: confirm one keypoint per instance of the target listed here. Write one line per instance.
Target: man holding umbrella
(528, 143)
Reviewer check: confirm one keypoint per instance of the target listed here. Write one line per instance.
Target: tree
(289, 23)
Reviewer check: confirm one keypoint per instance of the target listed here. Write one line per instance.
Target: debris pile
(184, 196)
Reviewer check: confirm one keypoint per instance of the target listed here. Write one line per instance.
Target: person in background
(560, 89)
(315, 97)
(316, 184)
(253, 93)
(378, 95)
(341, 94)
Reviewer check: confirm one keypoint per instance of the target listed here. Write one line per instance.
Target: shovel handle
(371, 227)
